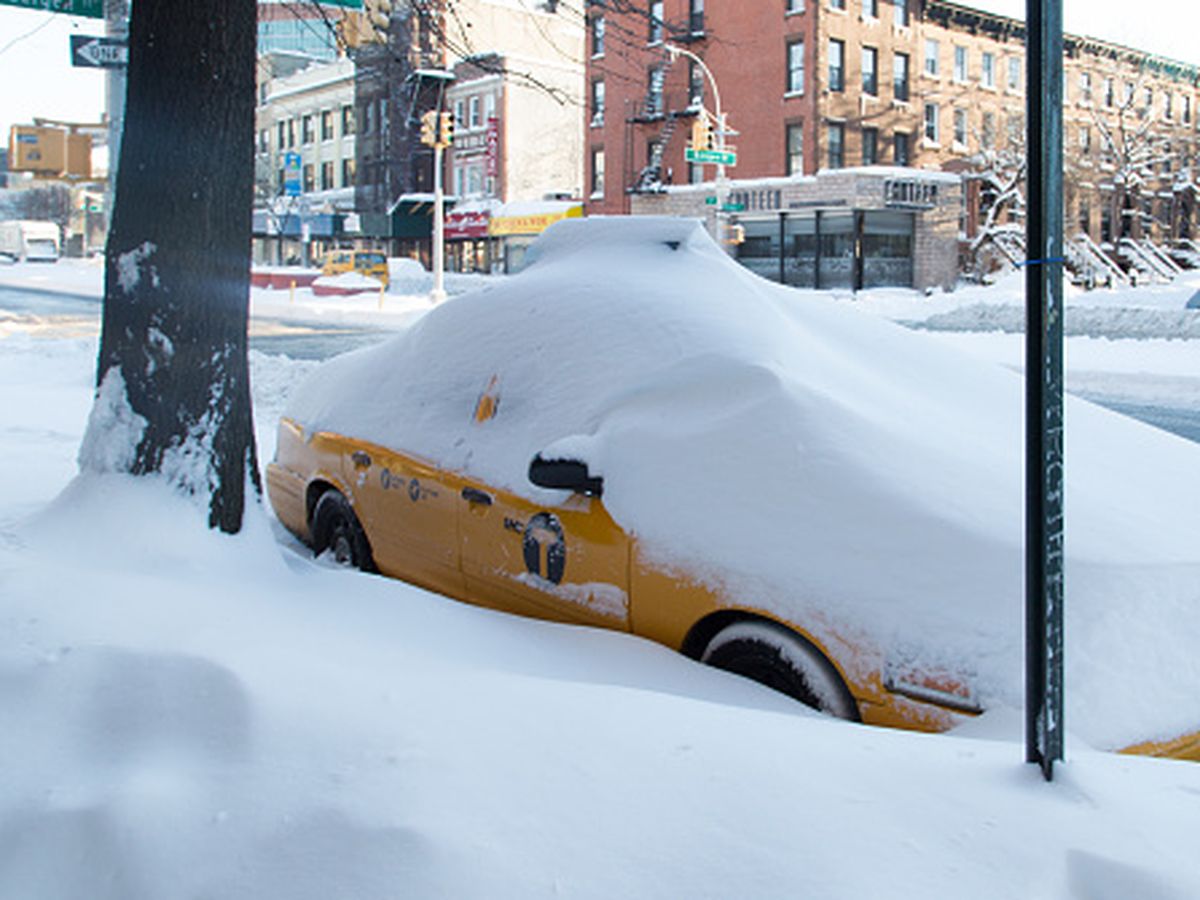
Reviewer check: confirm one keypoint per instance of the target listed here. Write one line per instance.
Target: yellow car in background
(372, 263)
(636, 433)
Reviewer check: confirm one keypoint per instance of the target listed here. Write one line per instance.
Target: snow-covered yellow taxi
(636, 433)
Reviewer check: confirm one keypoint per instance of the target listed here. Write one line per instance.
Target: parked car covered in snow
(636, 433)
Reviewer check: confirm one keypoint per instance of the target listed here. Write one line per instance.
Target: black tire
(783, 661)
(336, 528)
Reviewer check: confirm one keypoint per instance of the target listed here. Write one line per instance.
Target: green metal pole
(1044, 382)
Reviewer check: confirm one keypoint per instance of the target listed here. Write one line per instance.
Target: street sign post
(1044, 424)
(712, 157)
(99, 52)
(92, 9)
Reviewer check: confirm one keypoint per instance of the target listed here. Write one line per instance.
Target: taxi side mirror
(565, 474)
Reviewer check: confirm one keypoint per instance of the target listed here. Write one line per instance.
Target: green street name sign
(92, 9)
(712, 157)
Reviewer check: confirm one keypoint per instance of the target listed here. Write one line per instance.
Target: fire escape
(659, 109)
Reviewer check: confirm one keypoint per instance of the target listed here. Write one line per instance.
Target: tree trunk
(173, 376)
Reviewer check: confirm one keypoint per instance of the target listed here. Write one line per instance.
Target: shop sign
(466, 225)
(493, 146)
(532, 224)
(910, 193)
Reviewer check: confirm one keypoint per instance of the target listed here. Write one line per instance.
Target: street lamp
(674, 51)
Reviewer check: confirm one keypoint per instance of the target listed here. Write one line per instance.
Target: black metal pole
(1043, 388)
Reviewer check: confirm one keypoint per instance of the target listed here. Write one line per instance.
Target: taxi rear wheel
(336, 528)
(782, 660)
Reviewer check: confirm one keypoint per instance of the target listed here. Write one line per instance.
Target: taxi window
(372, 259)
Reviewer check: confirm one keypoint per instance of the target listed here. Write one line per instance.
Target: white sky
(36, 77)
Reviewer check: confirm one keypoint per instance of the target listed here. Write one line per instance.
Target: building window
(870, 146)
(837, 4)
(987, 130)
(988, 71)
(473, 111)
(309, 178)
(900, 77)
(696, 16)
(282, 182)
(931, 122)
(695, 85)
(901, 13)
(348, 172)
(654, 91)
(281, 134)
(900, 152)
(307, 134)
(795, 6)
(1085, 87)
(598, 102)
(460, 121)
(1085, 140)
(870, 71)
(960, 64)
(598, 172)
(837, 65)
(795, 53)
(264, 140)
(347, 120)
(598, 36)
(695, 173)
(1085, 216)
(1168, 105)
(795, 149)
(960, 127)
(1127, 95)
(656, 21)
(327, 175)
(291, 132)
(368, 118)
(932, 48)
(1014, 73)
(1109, 99)
(870, 9)
(1187, 109)
(327, 125)
(837, 145)
(489, 107)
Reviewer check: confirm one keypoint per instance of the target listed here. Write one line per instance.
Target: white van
(28, 241)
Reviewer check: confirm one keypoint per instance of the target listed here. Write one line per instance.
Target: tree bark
(177, 264)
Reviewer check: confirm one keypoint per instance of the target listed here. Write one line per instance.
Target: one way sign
(99, 52)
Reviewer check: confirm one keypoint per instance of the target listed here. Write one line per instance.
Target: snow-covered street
(191, 715)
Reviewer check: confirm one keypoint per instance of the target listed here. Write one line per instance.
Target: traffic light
(446, 129)
(702, 133)
(429, 126)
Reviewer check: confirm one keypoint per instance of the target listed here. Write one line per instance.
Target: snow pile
(191, 715)
(818, 462)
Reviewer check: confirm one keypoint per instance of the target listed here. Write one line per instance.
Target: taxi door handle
(474, 495)
(360, 459)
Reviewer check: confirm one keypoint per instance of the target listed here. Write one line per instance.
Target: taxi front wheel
(336, 528)
(782, 660)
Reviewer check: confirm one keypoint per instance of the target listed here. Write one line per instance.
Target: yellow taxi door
(568, 562)
(409, 510)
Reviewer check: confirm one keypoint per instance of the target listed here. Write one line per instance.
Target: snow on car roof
(801, 456)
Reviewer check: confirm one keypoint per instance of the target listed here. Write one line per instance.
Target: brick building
(811, 85)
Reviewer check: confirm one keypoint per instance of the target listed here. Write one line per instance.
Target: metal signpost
(99, 52)
(1044, 388)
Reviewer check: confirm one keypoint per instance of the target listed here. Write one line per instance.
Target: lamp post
(674, 51)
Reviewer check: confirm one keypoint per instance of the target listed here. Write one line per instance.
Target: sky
(49, 87)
